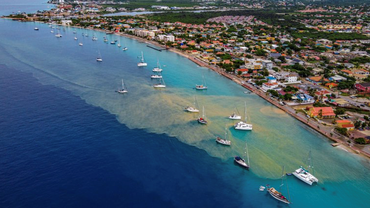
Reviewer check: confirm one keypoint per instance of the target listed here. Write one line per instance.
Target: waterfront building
(321, 112)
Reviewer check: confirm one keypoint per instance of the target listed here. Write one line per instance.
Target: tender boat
(36, 28)
(142, 62)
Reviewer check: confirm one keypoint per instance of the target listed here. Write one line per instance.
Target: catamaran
(203, 86)
(202, 120)
(161, 84)
(304, 175)
(142, 62)
(192, 109)
(235, 116)
(123, 90)
(242, 125)
(157, 68)
(277, 194)
(225, 141)
(240, 161)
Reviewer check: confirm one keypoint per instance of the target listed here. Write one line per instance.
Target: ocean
(69, 140)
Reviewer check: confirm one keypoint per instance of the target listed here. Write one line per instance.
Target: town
(311, 61)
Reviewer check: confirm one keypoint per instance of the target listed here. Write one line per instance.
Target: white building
(292, 78)
(169, 38)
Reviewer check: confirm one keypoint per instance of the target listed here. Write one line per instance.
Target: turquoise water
(276, 140)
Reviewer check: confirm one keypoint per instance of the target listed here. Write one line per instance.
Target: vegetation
(329, 35)
(360, 140)
(342, 131)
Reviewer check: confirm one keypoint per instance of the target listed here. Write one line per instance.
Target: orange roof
(326, 111)
(343, 121)
(316, 79)
(348, 126)
(346, 71)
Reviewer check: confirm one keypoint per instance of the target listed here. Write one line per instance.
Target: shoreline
(241, 82)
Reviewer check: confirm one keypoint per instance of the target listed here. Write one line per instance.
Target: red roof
(326, 111)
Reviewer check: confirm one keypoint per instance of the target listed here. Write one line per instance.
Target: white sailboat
(142, 62)
(224, 141)
(158, 67)
(123, 90)
(192, 109)
(161, 84)
(99, 59)
(277, 194)
(119, 44)
(80, 44)
(156, 76)
(203, 86)
(235, 116)
(202, 120)
(94, 38)
(240, 161)
(304, 175)
(75, 38)
(58, 35)
(243, 125)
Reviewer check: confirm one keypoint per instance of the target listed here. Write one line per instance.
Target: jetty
(155, 47)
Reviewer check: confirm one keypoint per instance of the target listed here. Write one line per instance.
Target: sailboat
(235, 116)
(203, 86)
(240, 161)
(156, 76)
(99, 59)
(119, 44)
(123, 90)
(192, 109)
(36, 28)
(124, 48)
(94, 38)
(157, 68)
(242, 125)
(80, 44)
(161, 84)
(75, 38)
(225, 141)
(202, 120)
(304, 175)
(142, 62)
(277, 194)
(51, 31)
(58, 35)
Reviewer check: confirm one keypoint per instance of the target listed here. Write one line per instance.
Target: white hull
(156, 76)
(192, 110)
(235, 117)
(243, 126)
(58, 35)
(223, 141)
(277, 195)
(305, 176)
(99, 60)
(142, 64)
(200, 87)
(157, 70)
(122, 91)
(241, 162)
(159, 86)
(124, 49)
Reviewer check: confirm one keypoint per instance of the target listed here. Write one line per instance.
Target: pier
(155, 47)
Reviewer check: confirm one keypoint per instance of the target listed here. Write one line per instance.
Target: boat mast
(245, 111)
(123, 86)
(246, 148)
(142, 57)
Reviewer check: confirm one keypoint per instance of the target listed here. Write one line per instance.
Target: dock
(155, 47)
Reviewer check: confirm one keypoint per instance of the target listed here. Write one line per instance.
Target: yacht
(192, 109)
(240, 161)
(225, 141)
(123, 89)
(142, 62)
(156, 76)
(161, 84)
(157, 68)
(202, 120)
(277, 195)
(305, 176)
(243, 125)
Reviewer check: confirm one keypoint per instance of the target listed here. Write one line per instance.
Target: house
(345, 124)
(363, 87)
(347, 72)
(321, 112)
(267, 64)
(305, 98)
(337, 78)
(269, 86)
(292, 78)
(316, 79)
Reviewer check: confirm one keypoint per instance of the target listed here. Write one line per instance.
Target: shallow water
(276, 140)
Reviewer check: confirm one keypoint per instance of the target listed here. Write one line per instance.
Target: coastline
(290, 111)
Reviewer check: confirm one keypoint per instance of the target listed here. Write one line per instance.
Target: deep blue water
(61, 152)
